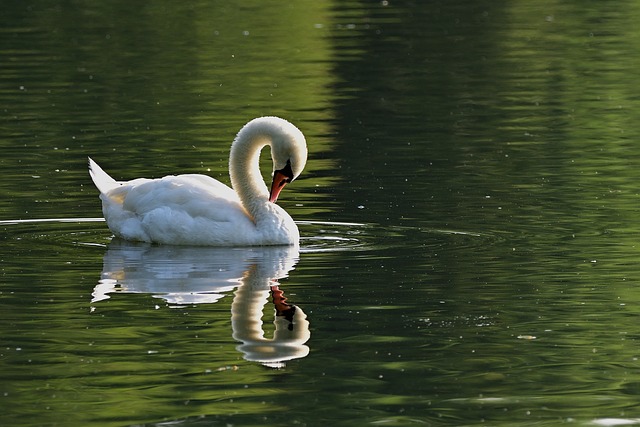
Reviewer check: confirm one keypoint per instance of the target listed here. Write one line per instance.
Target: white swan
(199, 210)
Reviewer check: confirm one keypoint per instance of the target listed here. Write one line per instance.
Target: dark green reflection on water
(147, 90)
(514, 121)
(485, 155)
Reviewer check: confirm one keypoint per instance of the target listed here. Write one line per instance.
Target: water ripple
(317, 236)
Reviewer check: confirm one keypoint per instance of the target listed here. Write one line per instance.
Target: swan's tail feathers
(100, 178)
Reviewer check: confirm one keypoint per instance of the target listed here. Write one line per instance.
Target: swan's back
(184, 209)
(188, 209)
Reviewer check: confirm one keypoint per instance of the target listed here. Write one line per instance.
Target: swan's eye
(287, 172)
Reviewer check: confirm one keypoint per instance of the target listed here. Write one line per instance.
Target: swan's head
(288, 152)
(289, 155)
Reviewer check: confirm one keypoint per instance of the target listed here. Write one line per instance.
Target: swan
(195, 209)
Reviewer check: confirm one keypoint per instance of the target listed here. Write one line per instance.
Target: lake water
(469, 214)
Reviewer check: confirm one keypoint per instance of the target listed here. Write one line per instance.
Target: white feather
(100, 178)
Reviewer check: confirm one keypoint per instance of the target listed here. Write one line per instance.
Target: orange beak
(280, 179)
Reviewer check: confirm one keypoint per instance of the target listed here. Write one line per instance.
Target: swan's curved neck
(244, 170)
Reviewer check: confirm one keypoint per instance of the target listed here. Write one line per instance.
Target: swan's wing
(191, 195)
(183, 209)
(208, 184)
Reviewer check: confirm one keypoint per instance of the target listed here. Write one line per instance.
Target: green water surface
(469, 214)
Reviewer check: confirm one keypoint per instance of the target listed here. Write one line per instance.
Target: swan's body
(199, 210)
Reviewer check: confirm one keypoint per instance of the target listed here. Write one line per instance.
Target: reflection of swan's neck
(246, 320)
(244, 170)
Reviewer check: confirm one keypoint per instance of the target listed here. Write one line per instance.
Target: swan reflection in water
(198, 275)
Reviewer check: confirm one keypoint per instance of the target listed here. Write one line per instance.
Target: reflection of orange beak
(279, 181)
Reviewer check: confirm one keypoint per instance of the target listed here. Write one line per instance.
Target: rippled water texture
(469, 214)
